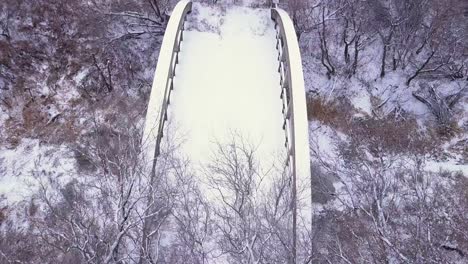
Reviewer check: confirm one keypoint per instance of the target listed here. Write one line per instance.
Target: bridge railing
(163, 82)
(295, 122)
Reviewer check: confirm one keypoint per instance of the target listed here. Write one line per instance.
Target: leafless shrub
(336, 113)
(391, 136)
(18, 247)
(322, 185)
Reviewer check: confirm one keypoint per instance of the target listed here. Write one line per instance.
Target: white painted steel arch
(156, 114)
(296, 125)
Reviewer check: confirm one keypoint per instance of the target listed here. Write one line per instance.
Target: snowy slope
(22, 169)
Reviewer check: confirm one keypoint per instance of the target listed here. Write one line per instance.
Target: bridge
(243, 77)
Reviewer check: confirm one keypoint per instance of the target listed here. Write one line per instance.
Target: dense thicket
(418, 37)
(376, 200)
(49, 50)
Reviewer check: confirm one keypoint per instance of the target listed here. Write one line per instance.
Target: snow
(322, 139)
(3, 119)
(80, 76)
(205, 18)
(454, 151)
(52, 111)
(227, 84)
(22, 168)
(362, 102)
(450, 165)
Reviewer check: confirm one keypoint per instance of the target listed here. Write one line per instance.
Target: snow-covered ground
(227, 83)
(374, 97)
(23, 168)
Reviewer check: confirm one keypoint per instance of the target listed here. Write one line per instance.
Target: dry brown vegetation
(337, 113)
(389, 133)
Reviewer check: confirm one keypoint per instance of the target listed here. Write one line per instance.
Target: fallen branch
(441, 107)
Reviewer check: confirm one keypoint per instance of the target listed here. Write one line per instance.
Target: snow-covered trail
(227, 83)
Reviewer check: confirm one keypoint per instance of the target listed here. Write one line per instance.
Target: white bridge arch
(290, 89)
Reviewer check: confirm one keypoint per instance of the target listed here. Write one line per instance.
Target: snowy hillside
(387, 107)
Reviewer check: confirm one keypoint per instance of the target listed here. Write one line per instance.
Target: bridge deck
(227, 83)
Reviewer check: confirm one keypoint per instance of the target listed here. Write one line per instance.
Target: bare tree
(440, 106)
(251, 208)
(234, 176)
(301, 12)
(325, 53)
(386, 192)
(354, 35)
(440, 39)
(192, 218)
(385, 25)
(115, 216)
